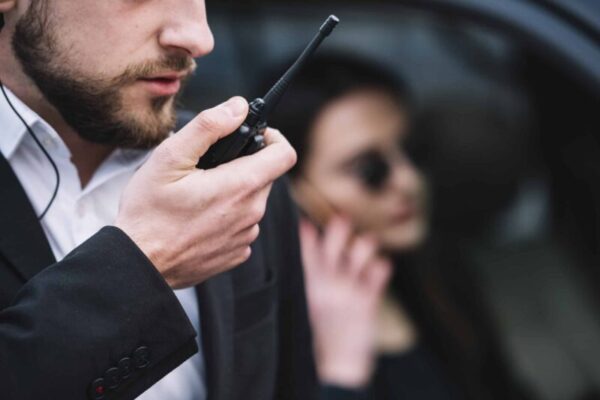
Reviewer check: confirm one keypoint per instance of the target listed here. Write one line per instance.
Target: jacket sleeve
(297, 376)
(100, 324)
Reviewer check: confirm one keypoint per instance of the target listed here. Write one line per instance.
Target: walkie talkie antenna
(249, 137)
(274, 95)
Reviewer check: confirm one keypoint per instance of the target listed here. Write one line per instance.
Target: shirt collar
(12, 130)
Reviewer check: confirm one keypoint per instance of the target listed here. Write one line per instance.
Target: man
(165, 293)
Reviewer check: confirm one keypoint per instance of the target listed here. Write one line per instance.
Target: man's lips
(163, 85)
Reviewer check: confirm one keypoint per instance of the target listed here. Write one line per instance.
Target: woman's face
(357, 163)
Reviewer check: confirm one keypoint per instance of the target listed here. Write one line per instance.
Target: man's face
(112, 68)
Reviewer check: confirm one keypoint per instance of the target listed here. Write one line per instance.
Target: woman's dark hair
(324, 79)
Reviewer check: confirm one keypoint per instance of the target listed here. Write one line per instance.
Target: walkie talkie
(249, 138)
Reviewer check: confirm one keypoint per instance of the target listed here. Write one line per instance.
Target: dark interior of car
(508, 135)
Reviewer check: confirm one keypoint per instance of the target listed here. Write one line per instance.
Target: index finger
(194, 139)
(263, 167)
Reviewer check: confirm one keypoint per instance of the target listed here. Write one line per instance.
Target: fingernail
(237, 105)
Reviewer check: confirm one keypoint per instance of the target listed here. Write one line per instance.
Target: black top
(459, 356)
(415, 374)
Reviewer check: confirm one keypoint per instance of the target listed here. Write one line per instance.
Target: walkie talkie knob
(255, 111)
(256, 144)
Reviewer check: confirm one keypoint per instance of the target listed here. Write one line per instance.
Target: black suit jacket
(103, 324)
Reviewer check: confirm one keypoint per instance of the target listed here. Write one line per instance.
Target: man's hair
(324, 79)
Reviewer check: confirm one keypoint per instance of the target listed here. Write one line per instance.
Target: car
(508, 94)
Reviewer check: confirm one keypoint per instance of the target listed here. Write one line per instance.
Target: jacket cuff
(167, 332)
(103, 316)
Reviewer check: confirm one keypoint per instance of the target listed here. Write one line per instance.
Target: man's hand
(194, 224)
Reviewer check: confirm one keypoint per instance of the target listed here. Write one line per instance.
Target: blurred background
(508, 133)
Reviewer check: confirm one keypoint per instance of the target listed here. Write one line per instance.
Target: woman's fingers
(354, 262)
(377, 275)
(362, 250)
(335, 241)
(310, 247)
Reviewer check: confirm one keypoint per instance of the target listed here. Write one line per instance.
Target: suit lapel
(216, 314)
(22, 240)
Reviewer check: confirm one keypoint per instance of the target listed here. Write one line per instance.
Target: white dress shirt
(78, 213)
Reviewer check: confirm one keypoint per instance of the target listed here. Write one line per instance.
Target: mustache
(172, 63)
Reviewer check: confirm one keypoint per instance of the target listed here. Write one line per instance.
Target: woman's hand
(345, 282)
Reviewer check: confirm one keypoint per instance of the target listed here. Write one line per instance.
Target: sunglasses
(373, 168)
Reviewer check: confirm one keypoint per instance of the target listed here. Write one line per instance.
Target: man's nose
(187, 29)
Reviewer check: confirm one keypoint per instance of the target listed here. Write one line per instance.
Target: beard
(94, 106)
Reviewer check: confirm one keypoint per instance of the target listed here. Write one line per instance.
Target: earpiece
(42, 148)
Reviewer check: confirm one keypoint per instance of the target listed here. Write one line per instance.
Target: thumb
(194, 139)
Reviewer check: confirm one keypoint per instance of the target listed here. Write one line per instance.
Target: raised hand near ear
(345, 283)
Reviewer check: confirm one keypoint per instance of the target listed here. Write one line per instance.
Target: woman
(393, 315)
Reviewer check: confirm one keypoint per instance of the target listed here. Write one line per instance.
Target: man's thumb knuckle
(288, 157)
(292, 157)
(209, 122)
